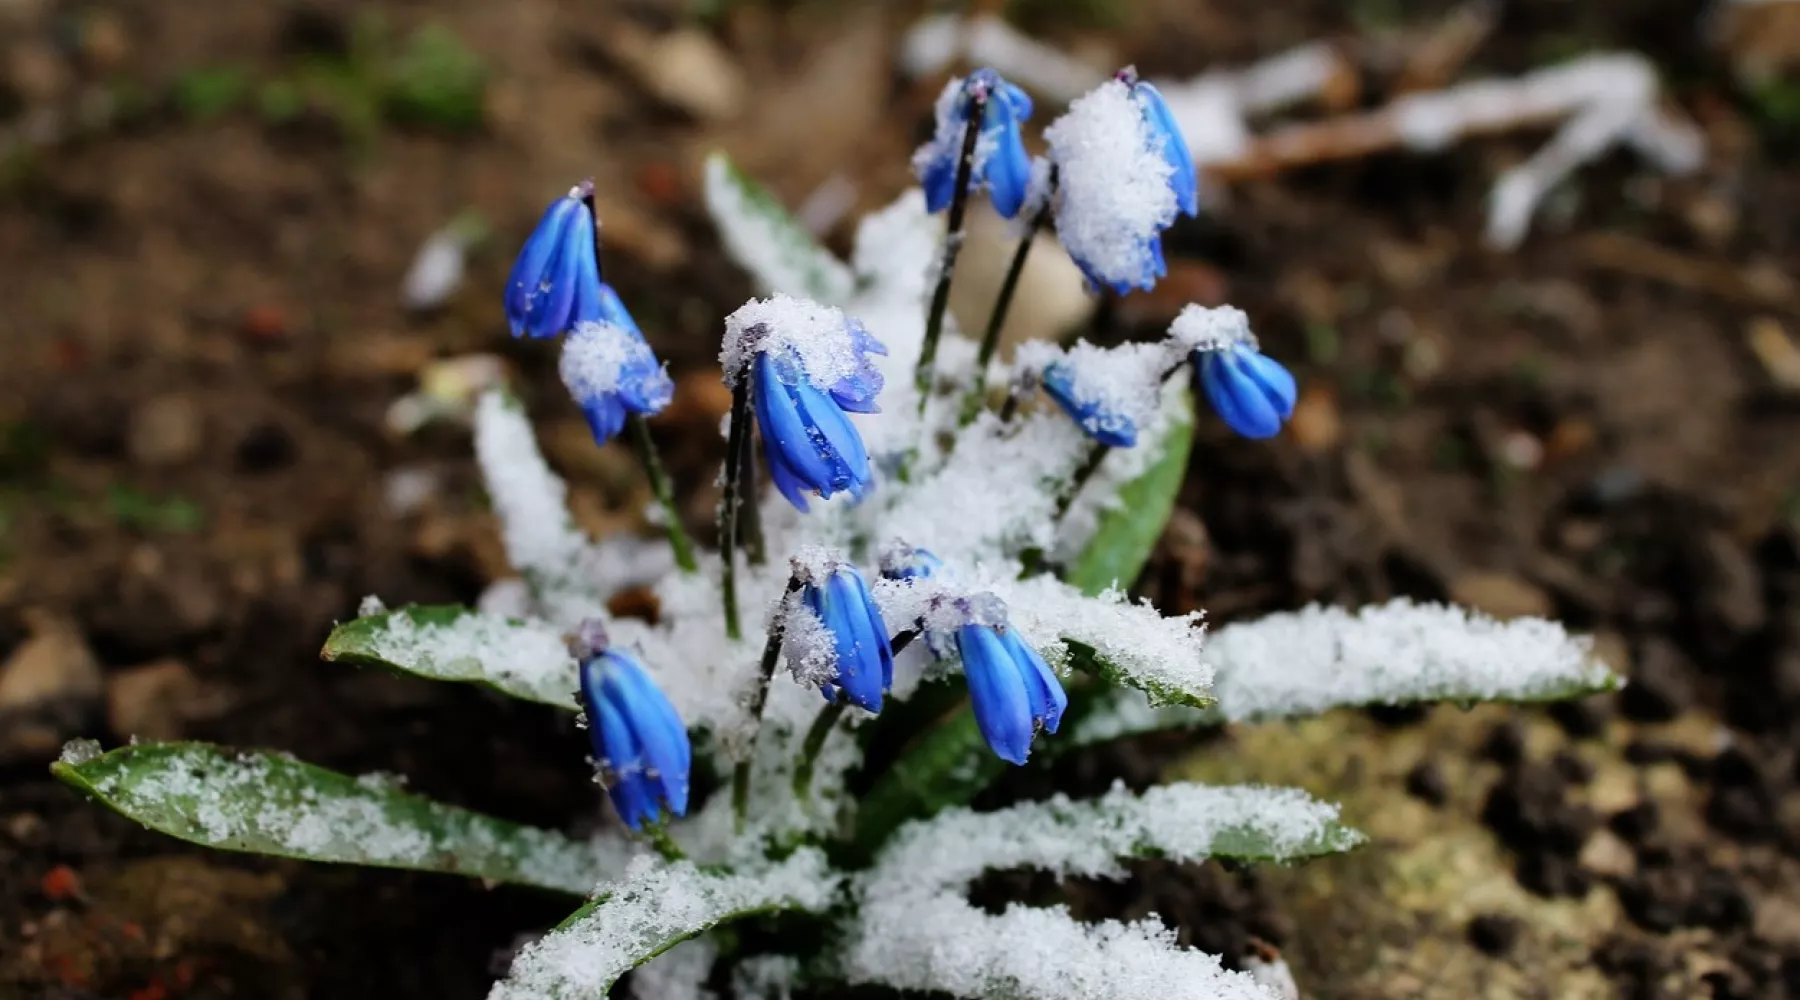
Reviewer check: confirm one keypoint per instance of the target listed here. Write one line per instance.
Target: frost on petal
(656, 905)
(1320, 658)
(820, 336)
(915, 929)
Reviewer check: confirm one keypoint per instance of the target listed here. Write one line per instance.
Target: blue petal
(1275, 381)
(859, 669)
(605, 417)
(997, 691)
(615, 748)
(534, 259)
(1007, 169)
(584, 304)
(1113, 429)
(1048, 700)
(939, 181)
(1185, 180)
(878, 629)
(612, 309)
(786, 481)
(654, 725)
(548, 314)
(779, 416)
(856, 392)
(1240, 399)
(836, 439)
(1016, 100)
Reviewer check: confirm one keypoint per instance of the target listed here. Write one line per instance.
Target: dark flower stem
(737, 441)
(953, 236)
(759, 698)
(749, 512)
(990, 340)
(822, 726)
(665, 495)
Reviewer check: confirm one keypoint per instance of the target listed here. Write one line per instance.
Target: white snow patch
(1113, 191)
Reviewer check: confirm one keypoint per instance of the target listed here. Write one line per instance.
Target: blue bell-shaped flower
(900, 561)
(612, 373)
(638, 739)
(555, 282)
(809, 442)
(859, 637)
(1001, 163)
(1013, 691)
(1252, 392)
(1101, 421)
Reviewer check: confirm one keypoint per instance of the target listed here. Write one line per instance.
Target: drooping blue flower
(1102, 421)
(1013, 691)
(1252, 392)
(612, 373)
(1165, 133)
(638, 739)
(1001, 163)
(809, 442)
(555, 282)
(859, 637)
(856, 391)
(900, 561)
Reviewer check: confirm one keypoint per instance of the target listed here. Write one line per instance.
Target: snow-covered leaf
(1118, 712)
(766, 241)
(656, 906)
(524, 658)
(1321, 658)
(1129, 528)
(915, 929)
(265, 803)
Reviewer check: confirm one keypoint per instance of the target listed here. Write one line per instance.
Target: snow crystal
(655, 904)
(523, 657)
(809, 646)
(677, 974)
(1320, 658)
(818, 334)
(781, 257)
(369, 605)
(1114, 194)
(541, 541)
(915, 930)
(1198, 328)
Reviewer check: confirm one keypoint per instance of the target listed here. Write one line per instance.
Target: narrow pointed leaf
(1127, 533)
(652, 909)
(766, 241)
(524, 659)
(264, 803)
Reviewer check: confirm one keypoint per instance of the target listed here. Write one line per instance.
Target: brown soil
(202, 336)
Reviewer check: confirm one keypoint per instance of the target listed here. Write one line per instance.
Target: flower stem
(645, 447)
(1097, 453)
(750, 512)
(737, 441)
(959, 203)
(658, 836)
(809, 750)
(759, 698)
(990, 340)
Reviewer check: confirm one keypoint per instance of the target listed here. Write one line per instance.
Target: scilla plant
(930, 566)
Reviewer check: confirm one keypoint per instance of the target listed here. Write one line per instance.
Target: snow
(677, 974)
(1121, 380)
(1113, 183)
(1320, 658)
(248, 801)
(658, 903)
(523, 657)
(1199, 328)
(914, 929)
(781, 257)
(596, 355)
(819, 335)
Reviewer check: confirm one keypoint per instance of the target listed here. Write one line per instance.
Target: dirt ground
(206, 211)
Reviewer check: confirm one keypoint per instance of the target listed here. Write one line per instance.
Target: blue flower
(611, 373)
(859, 637)
(639, 742)
(900, 561)
(1013, 690)
(1001, 163)
(856, 391)
(1252, 392)
(555, 282)
(1165, 133)
(1101, 421)
(809, 442)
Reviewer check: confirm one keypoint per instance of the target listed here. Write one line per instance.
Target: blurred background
(250, 263)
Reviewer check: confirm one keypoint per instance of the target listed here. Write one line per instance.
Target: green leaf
(264, 803)
(766, 241)
(653, 909)
(448, 642)
(1128, 532)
